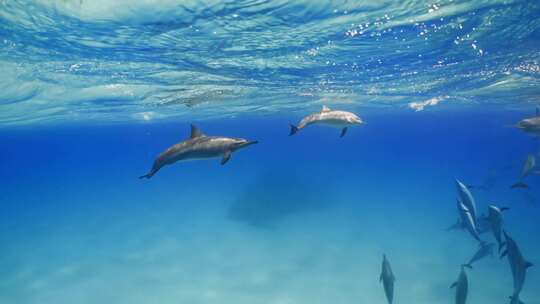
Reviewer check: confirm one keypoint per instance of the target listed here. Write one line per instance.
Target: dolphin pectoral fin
(226, 157)
(343, 132)
(528, 264)
(453, 285)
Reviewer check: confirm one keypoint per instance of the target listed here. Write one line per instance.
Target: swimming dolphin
(530, 125)
(199, 146)
(482, 252)
(462, 287)
(496, 222)
(518, 265)
(519, 185)
(338, 119)
(528, 166)
(467, 199)
(387, 278)
(467, 219)
(482, 225)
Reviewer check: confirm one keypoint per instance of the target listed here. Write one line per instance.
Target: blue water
(92, 91)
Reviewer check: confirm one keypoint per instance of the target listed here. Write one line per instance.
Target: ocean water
(92, 91)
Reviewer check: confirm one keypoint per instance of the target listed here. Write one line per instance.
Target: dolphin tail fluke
(148, 176)
(515, 300)
(294, 129)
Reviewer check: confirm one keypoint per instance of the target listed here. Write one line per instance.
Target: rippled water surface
(124, 60)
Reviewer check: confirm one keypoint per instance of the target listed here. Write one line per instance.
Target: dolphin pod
(199, 146)
(332, 118)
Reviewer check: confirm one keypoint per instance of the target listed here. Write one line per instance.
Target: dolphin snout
(252, 142)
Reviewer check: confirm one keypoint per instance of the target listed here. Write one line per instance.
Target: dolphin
(496, 221)
(518, 265)
(530, 125)
(528, 166)
(338, 119)
(482, 252)
(482, 225)
(519, 185)
(387, 278)
(467, 199)
(467, 220)
(199, 146)
(462, 287)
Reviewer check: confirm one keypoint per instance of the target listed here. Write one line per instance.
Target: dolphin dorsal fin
(325, 109)
(195, 132)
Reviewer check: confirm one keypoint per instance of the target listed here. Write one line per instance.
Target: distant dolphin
(496, 221)
(528, 166)
(462, 287)
(339, 119)
(467, 199)
(530, 125)
(518, 265)
(519, 185)
(467, 220)
(199, 146)
(482, 252)
(387, 278)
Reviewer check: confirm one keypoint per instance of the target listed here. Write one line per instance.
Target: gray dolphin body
(467, 199)
(518, 265)
(528, 166)
(337, 119)
(495, 218)
(530, 125)
(387, 278)
(482, 252)
(467, 220)
(198, 146)
(462, 287)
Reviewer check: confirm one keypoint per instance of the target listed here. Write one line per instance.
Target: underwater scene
(269, 152)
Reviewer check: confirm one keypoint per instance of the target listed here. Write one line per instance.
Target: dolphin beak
(249, 143)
